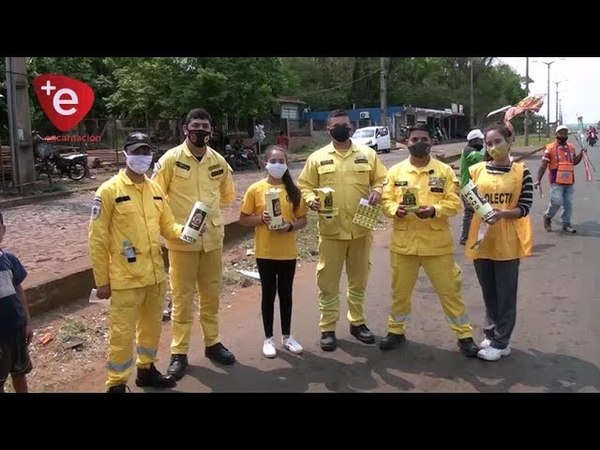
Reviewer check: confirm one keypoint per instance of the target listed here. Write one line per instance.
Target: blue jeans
(561, 195)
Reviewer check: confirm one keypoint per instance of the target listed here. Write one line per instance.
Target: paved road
(556, 343)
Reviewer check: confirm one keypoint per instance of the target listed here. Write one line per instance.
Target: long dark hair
(290, 187)
(503, 130)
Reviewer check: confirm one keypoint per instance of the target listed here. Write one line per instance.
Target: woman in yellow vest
(275, 249)
(508, 187)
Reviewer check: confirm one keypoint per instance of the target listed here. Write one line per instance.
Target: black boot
(117, 389)
(328, 341)
(177, 366)
(468, 347)
(219, 353)
(391, 341)
(362, 333)
(151, 377)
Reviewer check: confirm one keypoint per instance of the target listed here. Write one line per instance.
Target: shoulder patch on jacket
(96, 208)
(182, 165)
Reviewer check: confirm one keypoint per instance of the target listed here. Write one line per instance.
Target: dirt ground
(70, 342)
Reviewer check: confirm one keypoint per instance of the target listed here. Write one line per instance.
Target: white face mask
(276, 170)
(138, 163)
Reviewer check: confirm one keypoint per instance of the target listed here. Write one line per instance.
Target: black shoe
(151, 377)
(328, 341)
(177, 366)
(391, 341)
(463, 242)
(362, 333)
(468, 347)
(547, 224)
(117, 389)
(569, 229)
(220, 354)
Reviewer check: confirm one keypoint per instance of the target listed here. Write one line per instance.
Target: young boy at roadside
(15, 325)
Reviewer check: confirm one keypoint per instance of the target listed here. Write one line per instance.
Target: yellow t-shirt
(271, 244)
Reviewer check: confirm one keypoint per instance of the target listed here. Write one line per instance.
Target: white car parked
(378, 138)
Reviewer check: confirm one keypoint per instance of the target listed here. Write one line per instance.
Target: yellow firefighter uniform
(195, 266)
(507, 239)
(352, 175)
(123, 211)
(424, 242)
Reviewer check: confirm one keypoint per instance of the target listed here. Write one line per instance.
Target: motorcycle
(240, 157)
(592, 138)
(50, 162)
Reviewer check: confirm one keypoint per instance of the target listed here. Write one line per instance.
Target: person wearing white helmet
(471, 154)
(560, 156)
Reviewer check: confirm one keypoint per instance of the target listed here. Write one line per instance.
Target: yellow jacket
(186, 181)
(438, 187)
(352, 175)
(123, 210)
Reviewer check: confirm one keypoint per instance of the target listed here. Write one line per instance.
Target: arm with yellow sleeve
(163, 174)
(450, 204)
(227, 188)
(389, 202)
(378, 175)
(308, 181)
(99, 235)
(169, 229)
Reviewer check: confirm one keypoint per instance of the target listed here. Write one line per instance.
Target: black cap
(136, 140)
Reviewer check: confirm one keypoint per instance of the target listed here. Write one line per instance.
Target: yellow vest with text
(507, 239)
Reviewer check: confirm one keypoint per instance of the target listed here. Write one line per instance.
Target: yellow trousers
(134, 314)
(333, 253)
(445, 276)
(190, 271)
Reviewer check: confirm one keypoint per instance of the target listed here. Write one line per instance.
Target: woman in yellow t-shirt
(275, 250)
(508, 187)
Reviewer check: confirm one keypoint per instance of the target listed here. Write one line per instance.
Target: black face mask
(419, 149)
(199, 137)
(477, 146)
(561, 140)
(340, 133)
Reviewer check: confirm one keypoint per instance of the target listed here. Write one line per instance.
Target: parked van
(378, 138)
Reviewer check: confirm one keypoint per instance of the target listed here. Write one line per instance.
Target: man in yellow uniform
(129, 213)
(421, 194)
(354, 171)
(189, 173)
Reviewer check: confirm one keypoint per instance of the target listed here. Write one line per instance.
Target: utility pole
(549, 64)
(526, 120)
(383, 90)
(556, 113)
(19, 122)
(471, 107)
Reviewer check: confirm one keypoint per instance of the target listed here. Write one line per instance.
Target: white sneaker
(269, 348)
(485, 343)
(292, 345)
(493, 354)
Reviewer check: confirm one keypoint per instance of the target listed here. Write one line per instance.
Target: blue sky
(578, 90)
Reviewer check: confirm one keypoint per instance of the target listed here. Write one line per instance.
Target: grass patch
(307, 239)
(54, 187)
(534, 141)
(72, 329)
(231, 277)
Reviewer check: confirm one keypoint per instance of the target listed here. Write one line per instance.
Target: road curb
(65, 289)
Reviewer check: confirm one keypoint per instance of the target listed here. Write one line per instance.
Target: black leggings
(276, 276)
